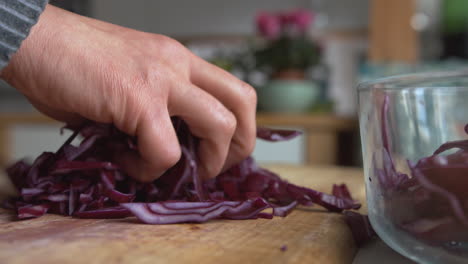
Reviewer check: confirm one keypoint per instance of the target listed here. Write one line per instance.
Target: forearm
(16, 20)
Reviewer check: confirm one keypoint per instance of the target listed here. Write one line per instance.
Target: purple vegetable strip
(274, 135)
(56, 197)
(74, 153)
(119, 197)
(71, 201)
(157, 213)
(25, 192)
(32, 211)
(434, 192)
(85, 198)
(284, 210)
(248, 211)
(384, 118)
(106, 213)
(19, 170)
(457, 207)
(360, 227)
(341, 191)
(62, 167)
(33, 171)
(331, 202)
(461, 144)
(86, 182)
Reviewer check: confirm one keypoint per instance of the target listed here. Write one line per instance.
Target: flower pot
(288, 96)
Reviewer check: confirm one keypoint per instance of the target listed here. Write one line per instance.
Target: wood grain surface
(309, 235)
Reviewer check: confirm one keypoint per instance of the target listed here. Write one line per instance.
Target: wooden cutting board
(307, 235)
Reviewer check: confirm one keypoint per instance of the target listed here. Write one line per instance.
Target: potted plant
(285, 54)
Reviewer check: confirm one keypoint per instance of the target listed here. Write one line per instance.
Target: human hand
(74, 68)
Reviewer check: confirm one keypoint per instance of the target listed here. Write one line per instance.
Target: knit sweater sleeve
(17, 17)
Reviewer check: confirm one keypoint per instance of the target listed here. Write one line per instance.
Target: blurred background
(304, 58)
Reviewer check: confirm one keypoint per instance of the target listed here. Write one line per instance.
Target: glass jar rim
(399, 81)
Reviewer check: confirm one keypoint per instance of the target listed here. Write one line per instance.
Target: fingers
(208, 120)
(239, 97)
(158, 146)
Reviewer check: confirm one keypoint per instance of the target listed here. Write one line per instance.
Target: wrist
(33, 59)
(17, 19)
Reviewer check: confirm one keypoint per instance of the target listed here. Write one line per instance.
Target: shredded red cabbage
(276, 135)
(431, 202)
(284, 248)
(360, 227)
(85, 181)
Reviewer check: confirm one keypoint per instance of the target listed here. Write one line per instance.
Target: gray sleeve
(16, 20)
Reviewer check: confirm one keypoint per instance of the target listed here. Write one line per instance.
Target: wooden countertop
(311, 235)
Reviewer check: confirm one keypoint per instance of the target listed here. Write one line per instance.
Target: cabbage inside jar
(415, 150)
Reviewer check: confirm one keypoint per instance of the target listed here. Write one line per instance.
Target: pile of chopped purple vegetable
(86, 182)
(430, 202)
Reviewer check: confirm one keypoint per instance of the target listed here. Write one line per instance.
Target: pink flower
(286, 18)
(302, 19)
(298, 19)
(268, 25)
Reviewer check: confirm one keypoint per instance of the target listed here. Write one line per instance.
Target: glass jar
(415, 152)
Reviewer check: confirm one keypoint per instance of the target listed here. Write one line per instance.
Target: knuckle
(170, 156)
(245, 146)
(167, 45)
(131, 106)
(226, 121)
(249, 94)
